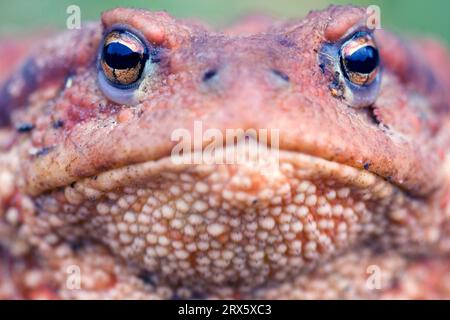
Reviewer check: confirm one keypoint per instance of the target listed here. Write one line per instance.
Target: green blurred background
(430, 17)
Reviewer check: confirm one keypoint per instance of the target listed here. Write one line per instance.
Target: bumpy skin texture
(91, 187)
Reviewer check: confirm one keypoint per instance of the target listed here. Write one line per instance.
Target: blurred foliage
(411, 16)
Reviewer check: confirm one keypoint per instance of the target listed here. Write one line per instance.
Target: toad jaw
(245, 225)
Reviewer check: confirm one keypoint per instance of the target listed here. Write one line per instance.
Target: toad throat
(209, 225)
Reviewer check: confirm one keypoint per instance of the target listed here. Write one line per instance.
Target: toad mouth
(246, 155)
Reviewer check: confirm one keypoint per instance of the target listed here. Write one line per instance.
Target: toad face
(360, 166)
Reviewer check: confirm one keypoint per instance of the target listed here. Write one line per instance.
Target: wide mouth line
(158, 165)
(143, 171)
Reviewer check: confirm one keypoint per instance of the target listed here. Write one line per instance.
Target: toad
(92, 204)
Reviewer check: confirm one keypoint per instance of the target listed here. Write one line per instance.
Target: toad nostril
(280, 74)
(210, 74)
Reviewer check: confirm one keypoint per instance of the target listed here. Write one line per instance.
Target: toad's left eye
(359, 59)
(123, 58)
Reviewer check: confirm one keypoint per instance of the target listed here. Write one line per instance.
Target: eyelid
(123, 27)
(118, 95)
(358, 41)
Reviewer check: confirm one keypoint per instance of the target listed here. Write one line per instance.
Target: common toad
(88, 186)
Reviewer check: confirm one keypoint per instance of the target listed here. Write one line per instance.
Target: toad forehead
(192, 61)
(270, 57)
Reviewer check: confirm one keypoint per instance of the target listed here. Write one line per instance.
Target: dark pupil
(364, 60)
(119, 56)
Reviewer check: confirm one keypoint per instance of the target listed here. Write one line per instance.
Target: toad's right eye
(353, 65)
(360, 60)
(123, 58)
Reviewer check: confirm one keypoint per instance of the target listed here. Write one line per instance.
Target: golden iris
(123, 58)
(360, 59)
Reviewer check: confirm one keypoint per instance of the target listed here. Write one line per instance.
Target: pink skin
(66, 187)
